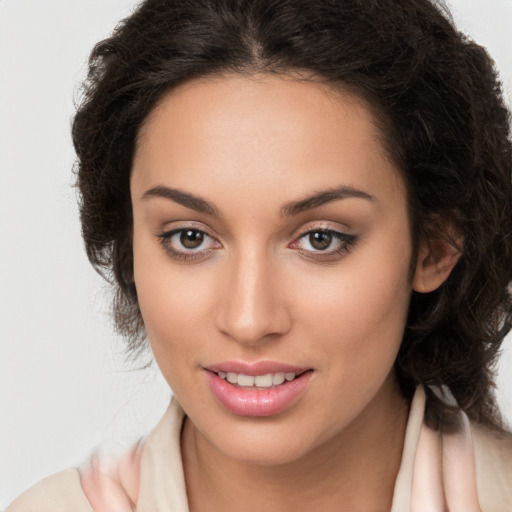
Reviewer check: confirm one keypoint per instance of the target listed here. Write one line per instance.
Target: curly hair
(437, 100)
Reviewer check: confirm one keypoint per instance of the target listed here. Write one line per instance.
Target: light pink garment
(113, 485)
(443, 477)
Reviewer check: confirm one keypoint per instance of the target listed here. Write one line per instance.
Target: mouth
(266, 381)
(257, 390)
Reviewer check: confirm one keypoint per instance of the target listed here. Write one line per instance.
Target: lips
(265, 388)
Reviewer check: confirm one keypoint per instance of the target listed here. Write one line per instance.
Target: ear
(437, 255)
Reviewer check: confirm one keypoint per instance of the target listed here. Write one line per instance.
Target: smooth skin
(257, 273)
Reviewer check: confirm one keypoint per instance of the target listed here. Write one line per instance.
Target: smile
(259, 381)
(254, 390)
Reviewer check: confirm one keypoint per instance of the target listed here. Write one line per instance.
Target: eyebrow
(295, 207)
(323, 197)
(184, 198)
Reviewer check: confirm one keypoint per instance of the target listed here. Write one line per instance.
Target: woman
(306, 209)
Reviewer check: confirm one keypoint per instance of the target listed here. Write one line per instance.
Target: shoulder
(103, 484)
(61, 492)
(493, 458)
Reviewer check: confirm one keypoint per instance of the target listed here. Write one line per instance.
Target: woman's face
(271, 237)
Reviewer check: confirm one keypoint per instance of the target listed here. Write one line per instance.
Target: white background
(64, 386)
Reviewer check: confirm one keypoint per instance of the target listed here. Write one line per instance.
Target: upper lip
(257, 368)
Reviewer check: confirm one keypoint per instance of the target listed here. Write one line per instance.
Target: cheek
(172, 310)
(358, 313)
(173, 306)
(169, 301)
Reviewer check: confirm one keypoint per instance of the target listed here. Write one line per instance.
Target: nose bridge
(251, 307)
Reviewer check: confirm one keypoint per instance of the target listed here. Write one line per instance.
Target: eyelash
(166, 238)
(347, 243)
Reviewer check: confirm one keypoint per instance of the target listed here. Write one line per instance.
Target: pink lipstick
(265, 388)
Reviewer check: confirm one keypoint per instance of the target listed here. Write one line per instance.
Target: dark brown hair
(440, 108)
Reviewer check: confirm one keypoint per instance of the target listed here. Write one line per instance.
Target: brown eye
(324, 244)
(188, 244)
(191, 238)
(320, 240)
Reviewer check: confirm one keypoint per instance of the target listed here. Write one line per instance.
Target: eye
(320, 243)
(191, 238)
(320, 240)
(188, 243)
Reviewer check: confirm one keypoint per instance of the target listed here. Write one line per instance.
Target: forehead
(267, 134)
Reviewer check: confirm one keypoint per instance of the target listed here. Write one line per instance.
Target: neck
(354, 471)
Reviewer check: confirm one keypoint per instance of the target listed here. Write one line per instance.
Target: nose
(252, 306)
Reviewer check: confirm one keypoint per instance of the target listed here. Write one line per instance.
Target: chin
(262, 441)
(263, 451)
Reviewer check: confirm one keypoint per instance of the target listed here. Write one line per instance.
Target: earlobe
(436, 259)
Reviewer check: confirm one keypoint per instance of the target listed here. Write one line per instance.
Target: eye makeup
(324, 244)
(190, 243)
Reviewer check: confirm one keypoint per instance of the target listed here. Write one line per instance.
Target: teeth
(260, 381)
(278, 378)
(232, 377)
(263, 381)
(245, 380)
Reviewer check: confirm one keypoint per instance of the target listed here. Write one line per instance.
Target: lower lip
(258, 402)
